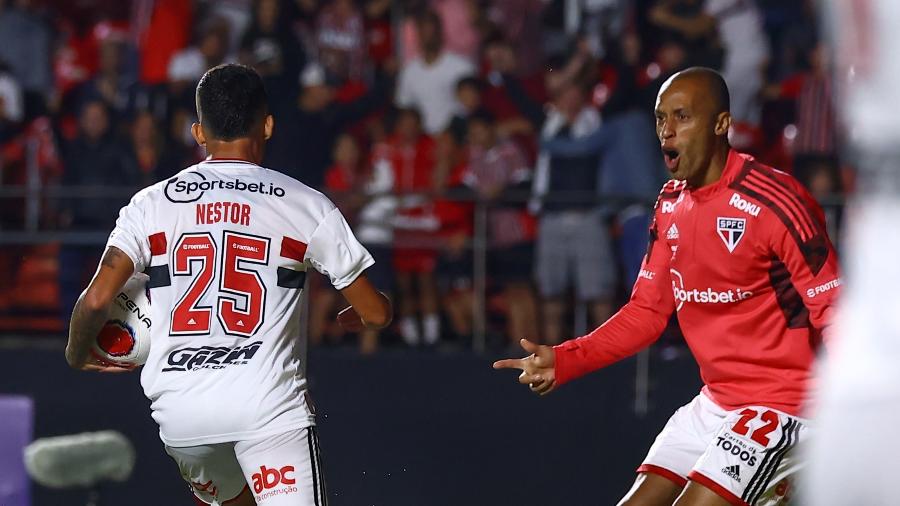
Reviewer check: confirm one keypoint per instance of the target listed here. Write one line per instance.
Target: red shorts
(409, 260)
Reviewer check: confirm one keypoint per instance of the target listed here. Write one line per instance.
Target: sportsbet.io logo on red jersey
(704, 295)
(267, 481)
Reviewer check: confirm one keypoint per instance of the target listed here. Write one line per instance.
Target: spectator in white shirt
(428, 83)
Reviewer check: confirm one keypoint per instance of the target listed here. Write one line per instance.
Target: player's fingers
(546, 388)
(510, 363)
(527, 378)
(529, 346)
(116, 369)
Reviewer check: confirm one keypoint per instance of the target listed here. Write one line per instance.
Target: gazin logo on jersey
(210, 357)
(704, 296)
(190, 187)
(731, 230)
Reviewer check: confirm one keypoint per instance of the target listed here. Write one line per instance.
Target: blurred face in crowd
(214, 44)
(143, 129)
(570, 100)
(346, 151)
(408, 127)
(316, 97)
(671, 56)
(110, 57)
(430, 36)
(469, 97)
(691, 126)
(94, 121)
(481, 134)
(267, 14)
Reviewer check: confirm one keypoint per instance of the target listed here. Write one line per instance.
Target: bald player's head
(692, 122)
(709, 80)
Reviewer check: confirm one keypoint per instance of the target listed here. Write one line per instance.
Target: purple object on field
(16, 425)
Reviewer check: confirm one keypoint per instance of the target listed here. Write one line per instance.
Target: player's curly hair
(231, 101)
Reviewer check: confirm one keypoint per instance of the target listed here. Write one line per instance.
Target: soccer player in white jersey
(857, 406)
(227, 244)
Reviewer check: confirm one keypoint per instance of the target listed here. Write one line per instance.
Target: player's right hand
(350, 320)
(538, 369)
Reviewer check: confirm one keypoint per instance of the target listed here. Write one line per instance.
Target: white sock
(409, 331)
(431, 324)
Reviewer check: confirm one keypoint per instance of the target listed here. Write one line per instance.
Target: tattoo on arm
(87, 317)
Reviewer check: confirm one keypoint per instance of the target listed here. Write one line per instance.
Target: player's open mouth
(671, 157)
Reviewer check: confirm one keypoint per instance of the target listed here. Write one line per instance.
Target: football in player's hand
(125, 338)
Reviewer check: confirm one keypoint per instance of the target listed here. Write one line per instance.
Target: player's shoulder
(772, 188)
(669, 195)
(299, 193)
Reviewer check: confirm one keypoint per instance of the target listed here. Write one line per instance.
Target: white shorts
(746, 456)
(280, 470)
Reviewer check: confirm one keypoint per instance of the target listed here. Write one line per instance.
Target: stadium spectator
(315, 120)
(410, 154)
(468, 94)
(111, 83)
(738, 24)
(155, 158)
(11, 104)
(497, 167)
(341, 41)
(454, 211)
(564, 192)
(188, 65)
(427, 82)
(95, 158)
(271, 48)
(26, 42)
(162, 29)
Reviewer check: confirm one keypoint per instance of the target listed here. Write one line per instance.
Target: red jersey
(748, 267)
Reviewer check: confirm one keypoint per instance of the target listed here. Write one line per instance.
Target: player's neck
(715, 169)
(239, 149)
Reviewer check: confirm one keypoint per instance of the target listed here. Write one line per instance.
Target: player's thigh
(683, 440)
(651, 490)
(753, 458)
(695, 494)
(213, 472)
(285, 469)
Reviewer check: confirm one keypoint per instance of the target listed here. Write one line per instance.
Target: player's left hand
(538, 369)
(350, 320)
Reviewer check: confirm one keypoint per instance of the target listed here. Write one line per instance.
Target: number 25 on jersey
(240, 305)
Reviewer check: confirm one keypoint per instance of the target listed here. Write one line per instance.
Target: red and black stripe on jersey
(769, 188)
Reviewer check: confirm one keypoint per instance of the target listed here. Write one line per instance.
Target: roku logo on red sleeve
(268, 478)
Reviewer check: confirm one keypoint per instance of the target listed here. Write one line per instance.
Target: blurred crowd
(509, 138)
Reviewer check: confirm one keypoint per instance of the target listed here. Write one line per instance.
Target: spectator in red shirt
(411, 156)
(496, 167)
(341, 41)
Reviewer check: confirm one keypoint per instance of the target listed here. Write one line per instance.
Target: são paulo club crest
(731, 230)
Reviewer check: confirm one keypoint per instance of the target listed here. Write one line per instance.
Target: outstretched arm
(638, 324)
(91, 309)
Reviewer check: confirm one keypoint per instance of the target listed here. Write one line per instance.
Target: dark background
(396, 429)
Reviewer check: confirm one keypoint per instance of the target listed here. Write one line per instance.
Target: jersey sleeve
(129, 234)
(335, 252)
(800, 241)
(634, 327)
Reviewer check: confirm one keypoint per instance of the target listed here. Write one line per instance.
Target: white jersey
(227, 245)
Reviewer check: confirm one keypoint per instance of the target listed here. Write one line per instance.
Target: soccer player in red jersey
(739, 251)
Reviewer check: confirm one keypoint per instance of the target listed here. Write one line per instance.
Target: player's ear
(197, 133)
(269, 126)
(723, 123)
